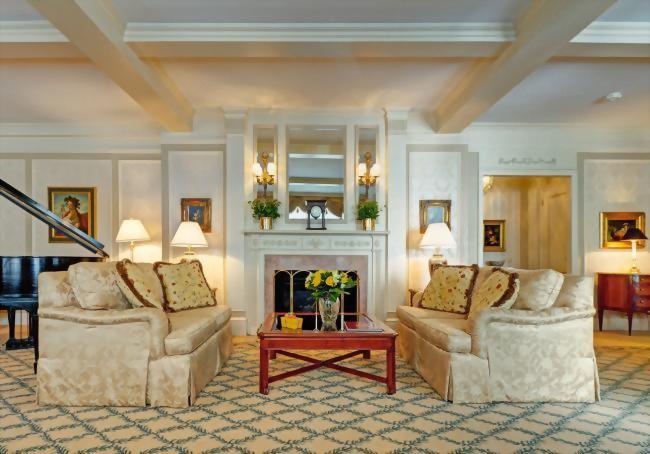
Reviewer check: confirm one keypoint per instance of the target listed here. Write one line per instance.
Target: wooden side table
(627, 293)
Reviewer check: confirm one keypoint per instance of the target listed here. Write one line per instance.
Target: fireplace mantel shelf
(316, 232)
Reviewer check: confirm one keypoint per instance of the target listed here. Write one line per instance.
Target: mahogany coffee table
(276, 341)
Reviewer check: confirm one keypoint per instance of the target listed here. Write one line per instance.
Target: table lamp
(437, 237)
(189, 235)
(633, 235)
(132, 230)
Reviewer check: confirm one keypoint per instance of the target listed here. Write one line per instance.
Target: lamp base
(635, 270)
(436, 259)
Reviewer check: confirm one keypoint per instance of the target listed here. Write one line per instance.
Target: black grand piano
(19, 284)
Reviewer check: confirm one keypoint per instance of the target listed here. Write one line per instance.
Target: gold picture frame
(198, 210)
(613, 225)
(432, 211)
(494, 235)
(76, 206)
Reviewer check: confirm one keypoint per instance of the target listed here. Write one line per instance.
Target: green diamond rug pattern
(326, 411)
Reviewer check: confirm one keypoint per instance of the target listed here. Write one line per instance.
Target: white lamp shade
(375, 170)
(270, 168)
(189, 234)
(132, 230)
(361, 169)
(438, 236)
(257, 169)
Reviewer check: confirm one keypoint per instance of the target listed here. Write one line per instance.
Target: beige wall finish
(199, 174)
(140, 197)
(14, 237)
(78, 173)
(537, 211)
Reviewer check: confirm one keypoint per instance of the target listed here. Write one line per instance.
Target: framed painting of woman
(75, 206)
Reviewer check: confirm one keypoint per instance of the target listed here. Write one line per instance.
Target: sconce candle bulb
(368, 172)
(264, 172)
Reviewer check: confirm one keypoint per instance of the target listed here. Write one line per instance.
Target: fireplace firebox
(290, 294)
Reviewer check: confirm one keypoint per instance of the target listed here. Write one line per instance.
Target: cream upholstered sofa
(540, 350)
(124, 357)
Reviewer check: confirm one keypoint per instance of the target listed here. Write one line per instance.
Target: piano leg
(34, 328)
(11, 319)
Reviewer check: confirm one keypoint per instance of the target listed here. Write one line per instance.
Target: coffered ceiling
(459, 61)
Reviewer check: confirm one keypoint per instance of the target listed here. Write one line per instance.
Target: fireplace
(290, 295)
(284, 277)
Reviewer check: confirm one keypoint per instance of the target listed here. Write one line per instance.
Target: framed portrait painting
(75, 206)
(434, 211)
(198, 210)
(614, 226)
(494, 235)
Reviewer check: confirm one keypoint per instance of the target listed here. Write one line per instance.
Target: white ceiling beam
(96, 29)
(543, 29)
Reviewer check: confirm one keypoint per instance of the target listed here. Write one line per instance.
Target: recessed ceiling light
(614, 96)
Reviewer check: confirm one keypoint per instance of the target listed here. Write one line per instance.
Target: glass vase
(329, 311)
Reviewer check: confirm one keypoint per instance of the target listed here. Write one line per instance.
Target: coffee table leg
(366, 354)
(390, 370)
(264, 371)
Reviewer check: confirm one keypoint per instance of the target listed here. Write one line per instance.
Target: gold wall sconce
(368, 173)
(264, 172)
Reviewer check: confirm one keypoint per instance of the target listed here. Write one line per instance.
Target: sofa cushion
(500, 289)
(139, 284)
(95, 286)
(448, 334)
(538, 288)
(191, 328)
(408, 315)
(450, 288)
(577, 293)
(184, 285)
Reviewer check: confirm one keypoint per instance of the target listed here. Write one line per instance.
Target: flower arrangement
(328, 285)
(265, 208)
(368, 209)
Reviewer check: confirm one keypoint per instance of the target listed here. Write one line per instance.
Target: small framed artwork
(434, 211)
(494, 235)
(614, 226)
(198, 210)
(75, 206)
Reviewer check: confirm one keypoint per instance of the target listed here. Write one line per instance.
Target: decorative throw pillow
(500, 289)
(184, 285)
(538, 288)
(450, 288)
(95, 286)
(139, 284)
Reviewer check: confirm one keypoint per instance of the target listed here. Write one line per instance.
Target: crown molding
(320, 32)
(38, 31)
(615, 33)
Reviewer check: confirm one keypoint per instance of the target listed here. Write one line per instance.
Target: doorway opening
(527, 222)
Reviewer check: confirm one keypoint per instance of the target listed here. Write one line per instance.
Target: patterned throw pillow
(139, 284)
(500, 289)
(95, 286)
(450, 288)
(184, 285)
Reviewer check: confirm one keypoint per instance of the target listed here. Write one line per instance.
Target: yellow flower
(330, 281)
(345, 279)
(316, 279)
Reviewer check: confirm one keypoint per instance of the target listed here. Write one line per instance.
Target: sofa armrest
(155, 319)
(415, 297)
(480, 324)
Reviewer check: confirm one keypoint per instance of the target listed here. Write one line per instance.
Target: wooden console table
(627, 293)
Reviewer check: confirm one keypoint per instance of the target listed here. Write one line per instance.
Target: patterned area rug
(325, 411)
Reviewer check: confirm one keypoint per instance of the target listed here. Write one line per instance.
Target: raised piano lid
(40, 212)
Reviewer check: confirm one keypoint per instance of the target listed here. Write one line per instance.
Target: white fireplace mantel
(260, 244)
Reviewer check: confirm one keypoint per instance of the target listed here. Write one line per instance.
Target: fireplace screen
(290, 294)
